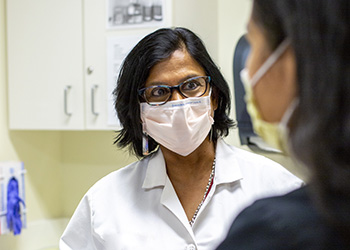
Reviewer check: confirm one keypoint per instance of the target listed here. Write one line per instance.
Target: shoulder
(284, 222)
(290, 208)
(278, 211)
(128, 177)
(257, 167)
(245, 157)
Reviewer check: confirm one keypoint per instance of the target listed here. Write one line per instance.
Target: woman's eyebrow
(188, 77)
(155, 83)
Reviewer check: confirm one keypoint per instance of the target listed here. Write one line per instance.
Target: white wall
(232, 20)
(200, 16)
(86, 157)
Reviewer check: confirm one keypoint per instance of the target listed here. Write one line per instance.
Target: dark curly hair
(134, 72)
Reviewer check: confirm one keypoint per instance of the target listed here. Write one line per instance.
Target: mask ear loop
(270, 61)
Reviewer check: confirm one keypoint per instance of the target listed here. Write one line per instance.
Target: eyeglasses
(160, 94)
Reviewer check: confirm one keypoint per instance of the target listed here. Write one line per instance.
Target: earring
(145, 149)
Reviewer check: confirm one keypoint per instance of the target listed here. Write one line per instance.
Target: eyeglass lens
(193, 87)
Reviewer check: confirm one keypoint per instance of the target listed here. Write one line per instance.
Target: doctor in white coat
(173, 104)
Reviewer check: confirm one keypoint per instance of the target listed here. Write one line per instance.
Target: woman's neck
(190, 175)
(192, 167)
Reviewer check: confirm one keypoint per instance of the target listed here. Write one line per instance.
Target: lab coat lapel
(156, 176)
(170, 200)
(156, 171)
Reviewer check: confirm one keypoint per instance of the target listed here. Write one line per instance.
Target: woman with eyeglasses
(298, 76)
(173, 104)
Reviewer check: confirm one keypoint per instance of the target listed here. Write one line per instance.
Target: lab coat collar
(156, 171)
(227, 169)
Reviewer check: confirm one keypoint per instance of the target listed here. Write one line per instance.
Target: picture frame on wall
(126, 14)
(118, 48)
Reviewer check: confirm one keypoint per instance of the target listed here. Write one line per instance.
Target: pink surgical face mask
(181, 125)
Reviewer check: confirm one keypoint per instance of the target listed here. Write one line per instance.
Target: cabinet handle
(90, 70)
(93, 90)
(66, 89)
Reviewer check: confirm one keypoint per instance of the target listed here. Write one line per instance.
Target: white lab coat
(136, 207)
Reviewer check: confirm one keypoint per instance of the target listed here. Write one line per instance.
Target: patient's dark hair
(319, 31)
(152, 49)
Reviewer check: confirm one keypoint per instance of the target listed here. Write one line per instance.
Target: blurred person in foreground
(297, 81)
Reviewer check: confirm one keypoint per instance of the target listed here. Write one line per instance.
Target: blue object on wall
(14, 222)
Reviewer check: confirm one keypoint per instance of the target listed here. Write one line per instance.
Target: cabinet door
(95, 65)
(45, 64)
(100, 114)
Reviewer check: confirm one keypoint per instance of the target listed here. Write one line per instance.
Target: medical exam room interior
(58, 65)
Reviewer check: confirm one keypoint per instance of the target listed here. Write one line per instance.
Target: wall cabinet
(56, 65)
(45, 64)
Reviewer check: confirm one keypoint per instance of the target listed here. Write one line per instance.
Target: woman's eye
(158, 91)
(192, 85)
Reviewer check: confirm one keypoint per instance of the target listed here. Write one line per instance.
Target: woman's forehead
(177, 68)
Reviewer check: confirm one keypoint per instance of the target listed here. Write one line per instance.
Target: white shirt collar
(226, 169)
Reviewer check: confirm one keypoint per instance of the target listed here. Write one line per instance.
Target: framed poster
(117, 50)
(136, 13)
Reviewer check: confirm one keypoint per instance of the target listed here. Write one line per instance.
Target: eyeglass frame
(142, 91)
